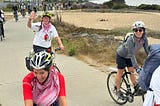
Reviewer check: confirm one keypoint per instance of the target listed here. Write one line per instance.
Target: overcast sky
(133, 2)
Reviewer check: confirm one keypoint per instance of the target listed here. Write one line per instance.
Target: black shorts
(123, 62)
(53, 104)
(39, 48)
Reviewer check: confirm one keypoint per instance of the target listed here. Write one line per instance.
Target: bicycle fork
(129, 94)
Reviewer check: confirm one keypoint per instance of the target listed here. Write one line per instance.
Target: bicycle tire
(111, 86)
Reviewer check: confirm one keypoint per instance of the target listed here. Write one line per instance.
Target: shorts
(53, 104)
(39, 48)
(123, 62)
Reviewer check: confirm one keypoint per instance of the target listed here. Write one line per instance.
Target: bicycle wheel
(111, 86)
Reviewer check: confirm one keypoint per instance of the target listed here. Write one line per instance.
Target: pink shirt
(27, 88)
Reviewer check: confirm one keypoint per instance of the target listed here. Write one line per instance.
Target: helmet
(47, 14)
(41, 60)
(138, 24)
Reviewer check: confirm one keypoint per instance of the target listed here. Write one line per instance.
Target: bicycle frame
(129, 92)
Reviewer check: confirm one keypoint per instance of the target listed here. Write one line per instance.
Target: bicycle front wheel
(111, 86)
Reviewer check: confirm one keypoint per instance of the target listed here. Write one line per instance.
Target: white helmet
(41, 60)
(138, 24)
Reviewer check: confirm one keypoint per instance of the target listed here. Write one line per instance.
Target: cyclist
(44, 85)
(15, 12)
(44, 32)
(23, 9)
(125, 56)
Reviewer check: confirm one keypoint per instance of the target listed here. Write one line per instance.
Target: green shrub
(71, 51)
(149, 7)
(8, 8)
(119, 6)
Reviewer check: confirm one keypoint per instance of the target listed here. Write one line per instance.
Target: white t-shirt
(39, 35)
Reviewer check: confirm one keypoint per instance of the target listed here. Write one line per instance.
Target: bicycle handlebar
(55, 50)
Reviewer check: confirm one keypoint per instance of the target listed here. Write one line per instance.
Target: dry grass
(8, 17)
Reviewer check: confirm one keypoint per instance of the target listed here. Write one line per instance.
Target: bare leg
(118, 78)
(132, 76)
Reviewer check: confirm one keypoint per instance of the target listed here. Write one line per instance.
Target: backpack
(129, 34)
(151, 63)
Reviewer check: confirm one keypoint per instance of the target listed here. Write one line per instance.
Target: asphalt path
(85, 85)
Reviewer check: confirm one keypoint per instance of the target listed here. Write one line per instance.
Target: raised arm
(31, 17)
(29, 23)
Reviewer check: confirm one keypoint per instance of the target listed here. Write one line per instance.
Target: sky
(132, 2)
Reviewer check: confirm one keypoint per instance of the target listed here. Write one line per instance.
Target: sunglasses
(138, 30)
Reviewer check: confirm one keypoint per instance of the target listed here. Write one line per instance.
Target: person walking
(44, 85)
(126, 52)
(44, 32)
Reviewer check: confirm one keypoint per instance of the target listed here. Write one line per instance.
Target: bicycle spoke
(111, 86)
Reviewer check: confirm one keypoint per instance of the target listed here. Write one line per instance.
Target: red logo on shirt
(45, 36)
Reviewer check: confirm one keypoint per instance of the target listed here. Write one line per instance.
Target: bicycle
(126, 88)
(53, 54)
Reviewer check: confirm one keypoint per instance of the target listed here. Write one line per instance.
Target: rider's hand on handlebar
(138, 70)
(62, 47)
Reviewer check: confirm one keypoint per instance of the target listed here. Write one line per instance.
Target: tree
(118, 1)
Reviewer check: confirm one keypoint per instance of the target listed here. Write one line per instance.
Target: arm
(62, 101)
(59, 42)
(27, 89)
(62, 94)
(28, 102)
(31, 17)
(146, 45)
(29, 23)
(131, 50)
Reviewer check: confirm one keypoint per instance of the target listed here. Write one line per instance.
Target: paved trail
(85, 85)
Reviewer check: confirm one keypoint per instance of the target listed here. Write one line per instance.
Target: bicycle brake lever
(58, 48)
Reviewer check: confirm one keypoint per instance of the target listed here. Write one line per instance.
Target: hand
(33, 15)
(138, 70)
(62, 47)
